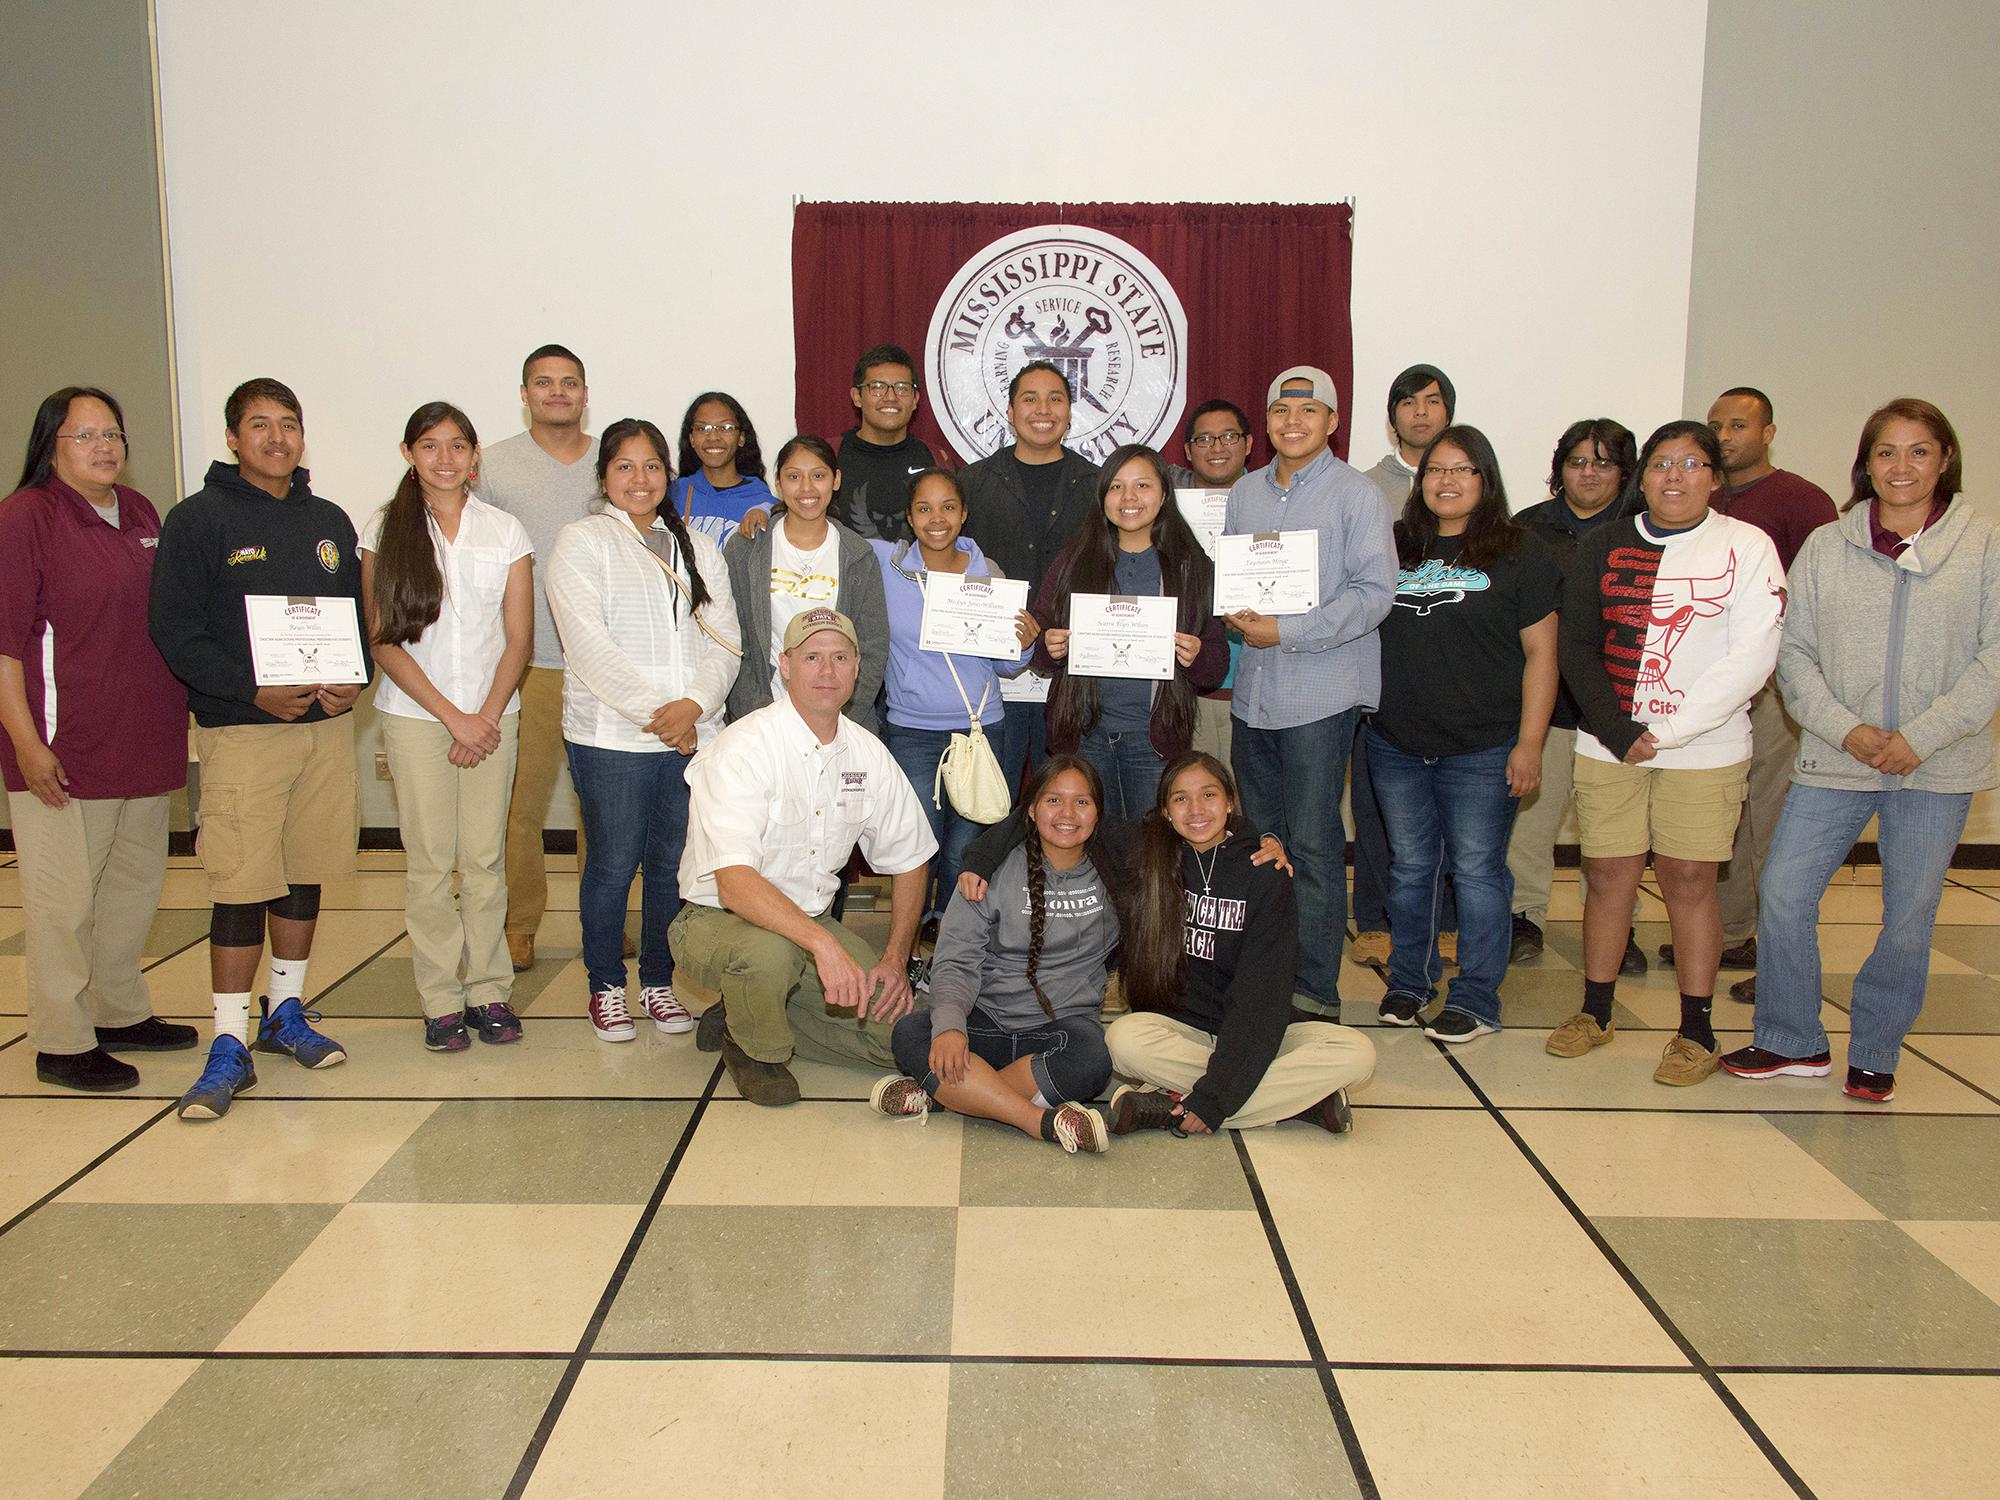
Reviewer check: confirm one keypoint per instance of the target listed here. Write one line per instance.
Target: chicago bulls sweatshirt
(1672, 633)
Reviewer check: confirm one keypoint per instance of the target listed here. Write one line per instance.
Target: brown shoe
(521, 951)
(1744, 991)
(1371, 948)
(1578, 1035)
(1685, 1063)
(768, 1084)
(1331, 1114)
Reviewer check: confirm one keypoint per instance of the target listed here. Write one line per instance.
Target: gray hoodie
(982, 949)
(1911, 645)
(1393, 478)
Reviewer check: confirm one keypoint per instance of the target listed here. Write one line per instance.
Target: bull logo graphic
(1676, 604)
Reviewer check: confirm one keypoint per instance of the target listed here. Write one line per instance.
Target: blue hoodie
(715, 513)
(921, 694)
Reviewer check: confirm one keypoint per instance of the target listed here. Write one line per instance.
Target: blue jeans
(918, 751)
(1071, 1060)
(1371, 850)
(1290, 782)
(1130, 766)
(1021, 743)
(635, 814)
(1447, 815)
(1917, 833)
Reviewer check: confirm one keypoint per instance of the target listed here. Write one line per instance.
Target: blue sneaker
(285, 1030)
(227, 1074)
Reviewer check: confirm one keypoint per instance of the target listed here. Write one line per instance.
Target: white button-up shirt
(463, 646)
(767, 794)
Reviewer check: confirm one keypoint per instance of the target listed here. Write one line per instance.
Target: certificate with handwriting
(1122, 635)
(1272, 572)
(972, 615)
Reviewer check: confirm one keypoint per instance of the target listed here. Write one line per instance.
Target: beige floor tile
(11, 922)
(841, 1153)
(367, 890)
(1855, 1437)
(1409, 1070)
(1445, 1192)
(806, 1431)
(13, 985)
(398, 1271)
(63, 1420)
(1686, 1166)
(280, 1151)
(181, 988)
(186, 889)
(1018, 1290)
(1975, 1058)
(344, 940)
(1970, 1248)
(48, 1139)
(1553, 1437)
(1842, 950)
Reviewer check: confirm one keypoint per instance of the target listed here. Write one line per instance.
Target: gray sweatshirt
(1393, 478)
(982, 949)
(1911, 645)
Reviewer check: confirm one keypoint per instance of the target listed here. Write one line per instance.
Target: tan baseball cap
(1303, 375)
(812, 621)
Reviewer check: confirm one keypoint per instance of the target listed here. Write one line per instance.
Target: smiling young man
(878, 455)
(277, 763)
(1303, 681)
(778, 802)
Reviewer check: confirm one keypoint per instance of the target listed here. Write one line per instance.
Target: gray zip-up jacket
(1911, 645)
(749, 562)
(982, 949)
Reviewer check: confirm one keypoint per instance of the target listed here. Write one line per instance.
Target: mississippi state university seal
(1084, 301)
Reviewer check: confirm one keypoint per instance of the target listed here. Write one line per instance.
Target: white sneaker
(608, 1016)
(658, 1002)
(1079, 1128)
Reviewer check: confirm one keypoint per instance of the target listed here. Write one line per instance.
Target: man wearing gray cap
(777, 803)
(1304, 680)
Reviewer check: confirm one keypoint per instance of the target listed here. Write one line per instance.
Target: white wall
(387, 203)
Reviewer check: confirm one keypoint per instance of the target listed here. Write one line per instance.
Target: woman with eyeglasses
(721, 488)
(1468, 682)
(96, 742)
(1217, 442)
(1670, 625)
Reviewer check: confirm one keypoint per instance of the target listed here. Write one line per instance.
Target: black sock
(1597, 999)
(1048, 1125)
(1695, 1024)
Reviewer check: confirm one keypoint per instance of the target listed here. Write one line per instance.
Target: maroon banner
(1150, 308)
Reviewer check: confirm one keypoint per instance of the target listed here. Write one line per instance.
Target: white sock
(1039, 1102)
(287, 980)
(232, 1017)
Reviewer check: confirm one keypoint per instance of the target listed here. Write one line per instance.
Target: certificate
(972, 615)
(1122, 635)
(1272, 572)
(1203, 510)
(298, 638)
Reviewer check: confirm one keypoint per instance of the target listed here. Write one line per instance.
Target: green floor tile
(1977, 946)
(1001, 1168)
(532, 1151)
(1908, 1167)
(1961, 1003)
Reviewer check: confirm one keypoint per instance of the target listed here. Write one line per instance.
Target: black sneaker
(1528, 940)
(1331, 1114)
(1399, 1009)
(920, 974)
(711, 1029)
(92, 1072)
(1634, 961)
(495, 1023)
(446, 1033)
(1742, 956)
(1876, 1088)
(1457, 1026)
(1761, 1062)
(149, 1035)
(1142, 1109)
(1744, 991)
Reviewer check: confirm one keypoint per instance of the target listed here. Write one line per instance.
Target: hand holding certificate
(1122, 635)
(1270, 572)
(972, 615)
(301, 639)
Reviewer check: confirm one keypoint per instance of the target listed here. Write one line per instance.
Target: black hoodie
(874, 497)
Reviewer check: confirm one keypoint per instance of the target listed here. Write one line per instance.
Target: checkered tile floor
(566, 1269)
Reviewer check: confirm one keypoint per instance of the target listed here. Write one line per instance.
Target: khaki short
(1624, 810)
(277, 807)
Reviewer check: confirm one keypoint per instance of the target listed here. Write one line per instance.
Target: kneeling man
(777, 803)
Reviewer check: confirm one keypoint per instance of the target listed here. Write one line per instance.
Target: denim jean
(635, 814)
(1447, 815)
(1071, 1060)
(1371, 849)
(1021, 742)
(918, 752)
(1130, 767)
(1290, 782)
(1917, 833)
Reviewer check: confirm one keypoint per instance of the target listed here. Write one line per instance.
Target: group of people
(733, 673)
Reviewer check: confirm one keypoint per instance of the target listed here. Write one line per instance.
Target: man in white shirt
(777, 803)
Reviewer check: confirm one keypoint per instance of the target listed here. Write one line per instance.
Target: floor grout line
(170, 957)
(90, 1166)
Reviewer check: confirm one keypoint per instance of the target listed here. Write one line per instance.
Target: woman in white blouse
(448, 582)
(650, 649)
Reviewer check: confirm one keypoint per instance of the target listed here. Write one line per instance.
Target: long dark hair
(609, 442)
(749, 457)
(1031, 846)
(1152, 963)
(1906, 408)
(1608, 439)
(1490, 534)
(49, 417)
(409, 586)
(1088, 564)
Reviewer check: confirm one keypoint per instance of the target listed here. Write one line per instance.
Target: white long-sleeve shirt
(630, 642)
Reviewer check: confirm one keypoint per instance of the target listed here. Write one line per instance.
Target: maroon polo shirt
(1889, 543)
(73, 592)
(1783, 506)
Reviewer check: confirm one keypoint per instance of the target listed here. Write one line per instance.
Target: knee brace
(236, 925)
(299, 904)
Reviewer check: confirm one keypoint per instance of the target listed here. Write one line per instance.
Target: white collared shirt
(463, 646)
(766, 793)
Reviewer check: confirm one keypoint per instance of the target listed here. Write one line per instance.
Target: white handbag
(968, 771)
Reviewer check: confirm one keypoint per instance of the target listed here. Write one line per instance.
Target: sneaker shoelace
(290, 1024)
(655, 998)
(224, 1069)
(610, 1005)
(1071, 1127)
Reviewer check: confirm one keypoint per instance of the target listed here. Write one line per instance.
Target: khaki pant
(1313, 1060)
(91, 875)
(1683, 813)
(1211, 728)
(277, 807)
(452, 817)
(1773, 747)
(1531, 849)
(772, 989)
(540, 761)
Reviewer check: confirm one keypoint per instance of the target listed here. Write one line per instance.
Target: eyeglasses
(89, 439)
(1202, 441)
(1578, 464)
(1451, 471)
(703, 429)
(884, 387)
(1678, 465)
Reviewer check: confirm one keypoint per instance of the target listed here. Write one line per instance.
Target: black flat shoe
(92, 1072)
(149, 1035)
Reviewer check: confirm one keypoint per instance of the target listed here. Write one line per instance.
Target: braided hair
(609, 442)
